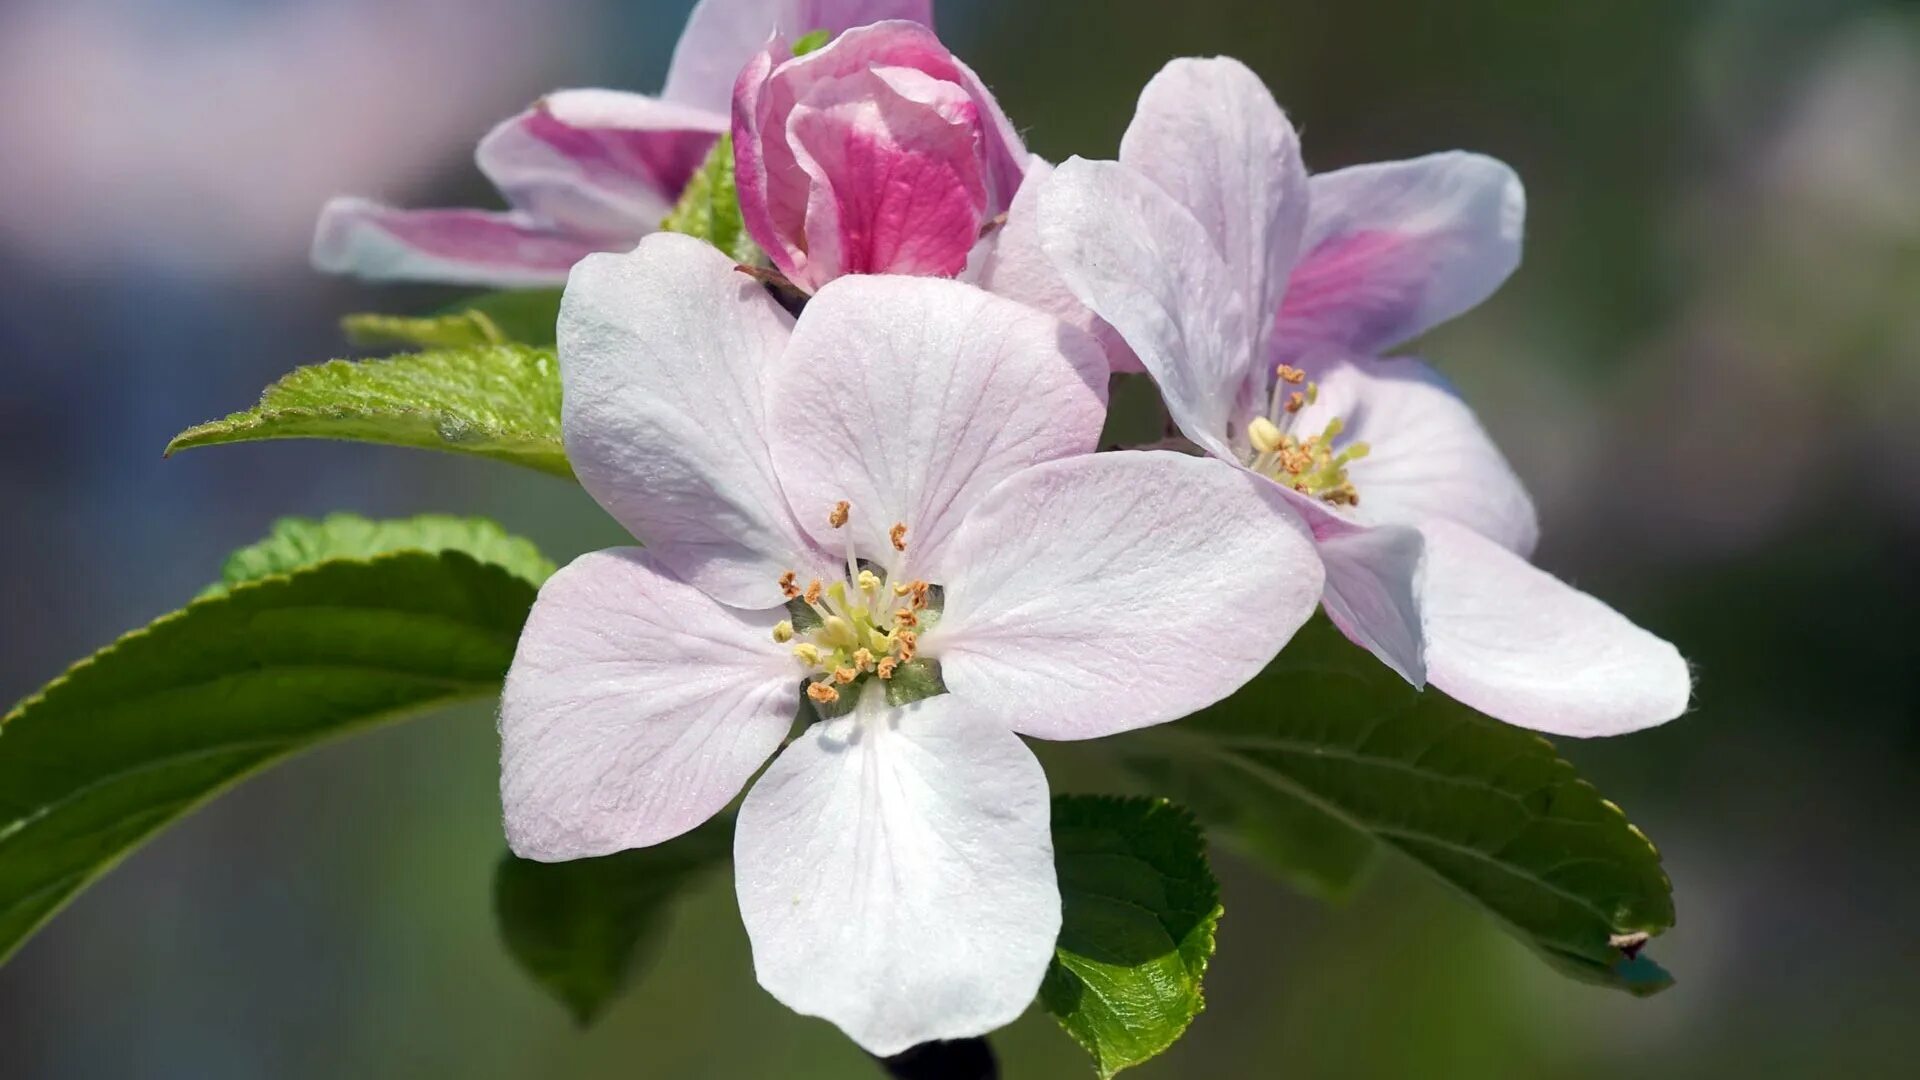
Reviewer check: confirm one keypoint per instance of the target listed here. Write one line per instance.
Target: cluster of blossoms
(878, 546)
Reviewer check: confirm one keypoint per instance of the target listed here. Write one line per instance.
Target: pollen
(898, 535)
(783, 631)
(1290, 374)
(905, 644)
(838, 517)
(869, 581)
(1296, 401)
(906, 617)
(886, 667)
(813, 591)
(789, 585)
(863, 659)
(822, 693)
(809, 654)
(845, 675)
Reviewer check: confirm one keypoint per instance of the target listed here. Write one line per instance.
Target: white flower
(899, 479)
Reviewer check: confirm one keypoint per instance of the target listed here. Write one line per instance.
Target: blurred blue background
(1708, 370)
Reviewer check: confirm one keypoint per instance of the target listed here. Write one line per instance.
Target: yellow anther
(898, 534)
(1264, 435)
(813, 591)
(869, 581)
(789, 586)
(845, 675)
(783, 631)
(1290, 374)
(808, 654)
(903, 588)
(822, 693)
(886, 667)
(838, 516)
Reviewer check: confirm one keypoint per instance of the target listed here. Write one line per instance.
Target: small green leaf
(1139, 909)
(460, 330)
(147, 729)
(1491, 809)
(709, 208)
(296, 543)
(496, 401)
(582, 929)
(520, 316)
(811, 41)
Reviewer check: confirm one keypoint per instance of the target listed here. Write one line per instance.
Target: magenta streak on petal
(1353, 290)
(662, 161)
(477, 236)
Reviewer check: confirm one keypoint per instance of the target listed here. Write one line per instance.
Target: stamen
(1264, 435)
(1290, 374)
(906, 641)
(845, 675)
(808, 654)
(863, 659)
(869, 582)
(783, 631)
(906, 617)
(813, 591)
(839, 515)
(898, 534)
(822, 693)
(789, 586)
(886, 667)
(1296, 401)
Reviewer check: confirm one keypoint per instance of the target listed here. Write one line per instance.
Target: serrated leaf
(150, 727)
(522, 316)
(295, 543)
(1491, 809)
(496, 401)
(709, 208)
(582, 929)
(1138, 911)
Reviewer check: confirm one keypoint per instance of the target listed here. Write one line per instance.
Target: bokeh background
(1708, 370)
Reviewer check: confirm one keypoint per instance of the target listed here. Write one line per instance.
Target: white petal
(663, 357)
(1209, 132)
(1523, 646)
(635, 709)
(895, 873)
(1398, 247)
(1373, 591)
(1141, 262)
(1429, 457)
(910, 397)
(1109, 592)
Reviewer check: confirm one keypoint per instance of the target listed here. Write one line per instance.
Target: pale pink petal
(463, 247)
(1428, 455)
(1112, 591)
(1010, 262)
(896, 184)
(721, 35)
(1396, 248)
(1372, 595)
(636, 708)
(1141, 262)
(599, 161)
(911, 397)
(1210, 134)
(1522, 646)
(664, 354)
(895, 874)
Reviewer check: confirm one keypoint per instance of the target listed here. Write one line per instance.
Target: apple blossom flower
(1256, 299)
(584, 170)
(878, 153)
(884, 509)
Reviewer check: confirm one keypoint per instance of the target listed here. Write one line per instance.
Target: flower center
(846, 633)
(1310, 464)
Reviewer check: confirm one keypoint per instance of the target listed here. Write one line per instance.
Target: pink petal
(1011, 263)
(465, 247)
(1210, 134)
(664, 354)
(911, 397)
(896, 183)
(1112, 591)
(895, 874)
(1372, 590)
(1396, 248)
(1522, 646)
(636, 708)
(1429, 457)
(599, 161)
(722, 35)
(1142, 263)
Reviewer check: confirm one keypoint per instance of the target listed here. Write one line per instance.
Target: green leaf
(496, 401)
(147, 729)
(582, 929)
(1139, 908)
(296, 543)
(811, 41)
(1491, 809)
(709, 208)
(523, 316)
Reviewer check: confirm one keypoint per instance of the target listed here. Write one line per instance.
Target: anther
(789, 586)
(863, 659)
(906, 641)
(1290, 374)
(906, 617)
(1296, 401)
(886, 667)
(845, 675)
(839, 515)
(813, 591)
(822, 693)
(869, 581)
(1264, 434)
(898, 534)
(808, 654)
(783, 631)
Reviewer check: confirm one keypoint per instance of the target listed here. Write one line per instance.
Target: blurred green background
(1708, 370)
